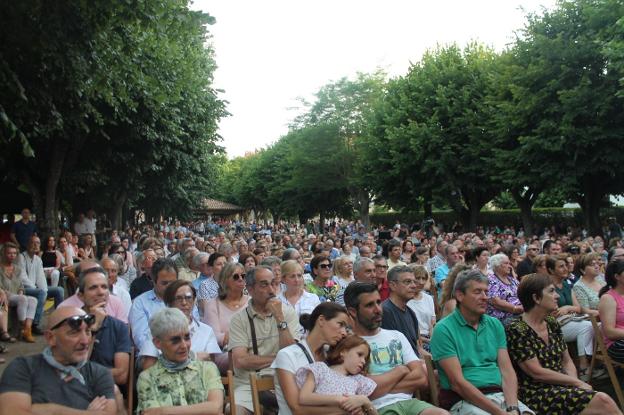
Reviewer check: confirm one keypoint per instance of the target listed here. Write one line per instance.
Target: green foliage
(115, 100)
(431, 137)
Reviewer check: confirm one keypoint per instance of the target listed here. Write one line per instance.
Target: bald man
(61, 379)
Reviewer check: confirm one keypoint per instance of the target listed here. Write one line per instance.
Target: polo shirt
(476, 350)
(112, 337)
(405, 321)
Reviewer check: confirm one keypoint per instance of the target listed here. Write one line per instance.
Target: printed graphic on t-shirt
(385, 357)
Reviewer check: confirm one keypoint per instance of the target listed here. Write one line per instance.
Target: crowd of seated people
(358, 310)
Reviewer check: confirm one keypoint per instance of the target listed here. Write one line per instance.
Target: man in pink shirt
(114, 306)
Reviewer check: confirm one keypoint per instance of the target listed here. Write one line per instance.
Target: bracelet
(512, 408)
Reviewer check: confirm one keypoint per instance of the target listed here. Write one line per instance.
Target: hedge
(542, 217)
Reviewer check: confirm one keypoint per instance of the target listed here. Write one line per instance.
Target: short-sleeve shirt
(23, 232)
(267, 335)
(159, 387)
(405, 321)
(330, 382)
(203, 340)
(112, 337)
(476, 350)
(587, 297)
(508, 292)
(425, 312)
(389, 349)
(34, 376)
(289, 359)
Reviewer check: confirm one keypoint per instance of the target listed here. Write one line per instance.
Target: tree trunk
(525, 203)
(428, 205)
(364, 207)
(117, 210)
(593, 194)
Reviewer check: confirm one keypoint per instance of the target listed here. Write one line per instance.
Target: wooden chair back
(259, 385)
(228, 384)
(434, 388)
(130, 382)
(600, 353)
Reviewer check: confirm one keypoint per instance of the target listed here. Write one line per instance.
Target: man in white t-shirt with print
(393, 363)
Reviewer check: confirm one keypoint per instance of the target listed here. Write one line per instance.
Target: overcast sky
(271, 52)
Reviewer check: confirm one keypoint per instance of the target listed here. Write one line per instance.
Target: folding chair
(259, 385)
(228, 383)
(600, 353)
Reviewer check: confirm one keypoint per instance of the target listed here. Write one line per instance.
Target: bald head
(62, 313)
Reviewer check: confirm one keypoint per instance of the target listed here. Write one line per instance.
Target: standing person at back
(23, 230)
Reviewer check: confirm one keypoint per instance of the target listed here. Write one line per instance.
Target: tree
(114, 99)
(434, 137)
(564, 96)
(349, 106)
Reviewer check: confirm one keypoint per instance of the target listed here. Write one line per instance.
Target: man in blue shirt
(22, 231)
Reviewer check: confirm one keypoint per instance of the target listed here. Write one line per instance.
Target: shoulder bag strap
(305, 351)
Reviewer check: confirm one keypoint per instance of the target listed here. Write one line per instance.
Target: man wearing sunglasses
(526, 265)
(62, 378)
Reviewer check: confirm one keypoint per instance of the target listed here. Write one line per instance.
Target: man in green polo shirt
(470, 350)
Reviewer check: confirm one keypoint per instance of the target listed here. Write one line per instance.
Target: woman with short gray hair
(503, 301)
(178, 379)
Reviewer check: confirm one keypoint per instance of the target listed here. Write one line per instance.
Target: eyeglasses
(532, 249)
(187, 297)
(408, 282)
(76, 321)
(325, 266)
(237, 277)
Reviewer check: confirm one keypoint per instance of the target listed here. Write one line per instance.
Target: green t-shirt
(476, 350)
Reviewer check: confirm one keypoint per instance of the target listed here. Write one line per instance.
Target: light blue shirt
(143, 308)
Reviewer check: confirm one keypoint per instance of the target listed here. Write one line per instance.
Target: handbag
(566, 318)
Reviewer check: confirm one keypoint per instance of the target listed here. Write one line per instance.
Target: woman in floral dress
(547, 378)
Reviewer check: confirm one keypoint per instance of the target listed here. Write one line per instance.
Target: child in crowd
(338, 381)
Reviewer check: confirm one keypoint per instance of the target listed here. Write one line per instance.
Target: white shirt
(425, 311)
(90, 225)
(203, 340)
(290, 359)
(33, 276)
(382, 345)
(306, 303)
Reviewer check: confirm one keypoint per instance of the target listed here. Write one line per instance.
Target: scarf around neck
(176, 366)
(65, 371)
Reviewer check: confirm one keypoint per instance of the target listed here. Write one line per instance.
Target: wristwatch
(282, 325)
(512, 408)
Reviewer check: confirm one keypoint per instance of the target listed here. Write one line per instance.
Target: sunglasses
(325, 266)
(75, 322)
(237, 277)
